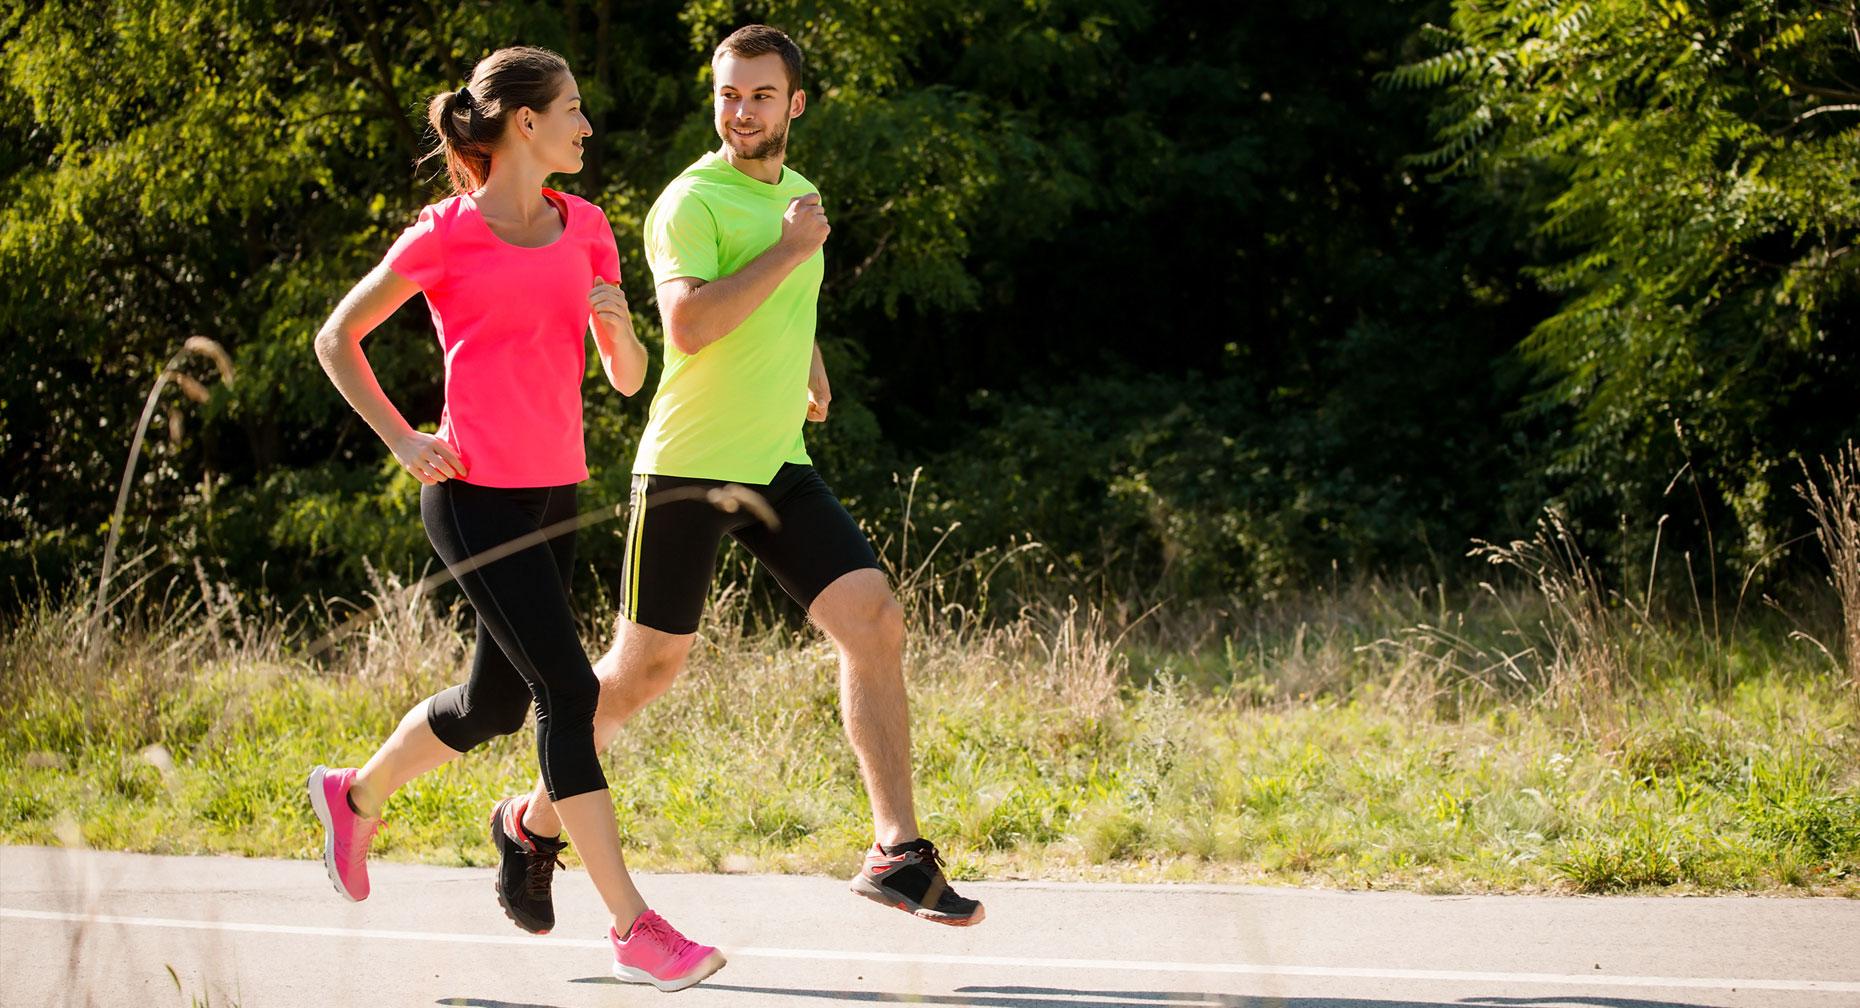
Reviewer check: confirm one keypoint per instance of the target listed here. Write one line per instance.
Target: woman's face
(555, 133)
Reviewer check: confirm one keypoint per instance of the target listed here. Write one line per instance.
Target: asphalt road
(80, 928)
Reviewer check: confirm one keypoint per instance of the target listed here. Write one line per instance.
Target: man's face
(753, 104)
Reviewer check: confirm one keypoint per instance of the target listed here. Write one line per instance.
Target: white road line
(1017, 962)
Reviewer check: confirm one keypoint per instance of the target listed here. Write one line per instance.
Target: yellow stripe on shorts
(635, 534)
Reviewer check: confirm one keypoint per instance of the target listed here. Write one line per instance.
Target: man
(735, 248)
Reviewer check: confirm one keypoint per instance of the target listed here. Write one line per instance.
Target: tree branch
(441, 47)
(384, 73)
(1819, 109)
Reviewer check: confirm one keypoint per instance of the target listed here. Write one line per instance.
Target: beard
(772, 143)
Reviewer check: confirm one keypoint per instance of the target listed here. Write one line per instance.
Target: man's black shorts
(794, 526)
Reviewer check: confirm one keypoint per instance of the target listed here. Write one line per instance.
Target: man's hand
(804, 226)
(819, 393)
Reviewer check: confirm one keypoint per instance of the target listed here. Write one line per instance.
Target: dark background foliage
(1206, 299)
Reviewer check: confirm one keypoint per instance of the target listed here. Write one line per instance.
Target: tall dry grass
(1582, 633)
(1836, 511)
(1062, 737)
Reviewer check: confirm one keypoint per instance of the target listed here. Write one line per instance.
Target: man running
(734, 244)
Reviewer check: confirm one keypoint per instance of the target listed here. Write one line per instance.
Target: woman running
(514, 273)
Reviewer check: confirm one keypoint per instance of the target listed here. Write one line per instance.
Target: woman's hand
(609, 303)
(623, 357)
(428, 458)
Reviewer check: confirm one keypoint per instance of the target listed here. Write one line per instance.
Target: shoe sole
(871, 890)
(711, 964)
(510, 913)
(321, 805)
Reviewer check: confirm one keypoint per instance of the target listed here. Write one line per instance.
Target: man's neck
(761, 169)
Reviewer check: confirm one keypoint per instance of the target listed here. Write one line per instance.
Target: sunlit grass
(1292, 747)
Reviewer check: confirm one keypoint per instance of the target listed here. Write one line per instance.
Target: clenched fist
(804, 226)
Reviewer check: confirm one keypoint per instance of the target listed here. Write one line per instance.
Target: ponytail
(469, 122)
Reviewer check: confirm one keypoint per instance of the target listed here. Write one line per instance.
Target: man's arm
(697, 314)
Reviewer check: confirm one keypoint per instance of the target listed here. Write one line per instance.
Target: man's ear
(797, 104)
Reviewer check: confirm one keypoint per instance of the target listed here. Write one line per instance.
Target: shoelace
(541, 867)
(929, 853)
(663, 934)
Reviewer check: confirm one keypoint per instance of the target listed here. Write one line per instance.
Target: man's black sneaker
(525, 868)
(909, 876)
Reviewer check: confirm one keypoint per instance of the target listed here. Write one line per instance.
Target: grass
(1372, 737)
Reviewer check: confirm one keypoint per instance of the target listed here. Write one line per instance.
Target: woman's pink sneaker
(655, 953)
(346, 835)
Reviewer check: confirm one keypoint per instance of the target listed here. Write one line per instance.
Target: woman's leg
(522, 604)
(412, 750)
(642, 664)
(493, 701)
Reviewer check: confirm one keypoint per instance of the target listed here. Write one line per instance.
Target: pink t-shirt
(513, 324)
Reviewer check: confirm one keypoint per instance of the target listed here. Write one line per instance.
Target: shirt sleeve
(604, 256)
(681, 239)
(417, 254)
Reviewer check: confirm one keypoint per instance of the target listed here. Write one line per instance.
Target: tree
(1692, 167)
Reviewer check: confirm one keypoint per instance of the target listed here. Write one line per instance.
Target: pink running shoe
(346, 835)
(657, 954)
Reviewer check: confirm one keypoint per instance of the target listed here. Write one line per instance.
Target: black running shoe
(525, 868)
(909, 876)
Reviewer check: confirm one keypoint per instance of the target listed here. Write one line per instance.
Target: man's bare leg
(903, 869)
(867, 625)
(642, 664)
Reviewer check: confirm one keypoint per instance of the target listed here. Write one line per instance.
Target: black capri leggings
(528, 649)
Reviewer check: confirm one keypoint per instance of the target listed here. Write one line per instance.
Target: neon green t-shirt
(733, 410)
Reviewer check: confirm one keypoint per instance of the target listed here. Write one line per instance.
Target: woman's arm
(622, 355)
(339, 348)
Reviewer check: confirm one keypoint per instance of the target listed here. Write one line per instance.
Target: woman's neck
(513, 191)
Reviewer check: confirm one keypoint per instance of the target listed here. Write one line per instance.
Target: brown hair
(755, 40)
(470, 121)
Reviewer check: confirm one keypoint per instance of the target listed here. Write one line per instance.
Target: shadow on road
(466, 1002)
(1057, 995)
(1584, 1001)
(1063, 997)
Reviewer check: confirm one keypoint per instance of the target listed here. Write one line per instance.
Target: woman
(513, 273)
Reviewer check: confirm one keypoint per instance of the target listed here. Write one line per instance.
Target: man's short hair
(755, 40)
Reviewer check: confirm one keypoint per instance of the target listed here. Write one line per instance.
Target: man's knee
(888, 620)
(642, 655)
(876, 626)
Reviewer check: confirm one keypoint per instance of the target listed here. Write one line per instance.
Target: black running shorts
(794, 526)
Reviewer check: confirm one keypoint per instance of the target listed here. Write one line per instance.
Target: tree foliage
(1165, 287)
(1691, 168)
